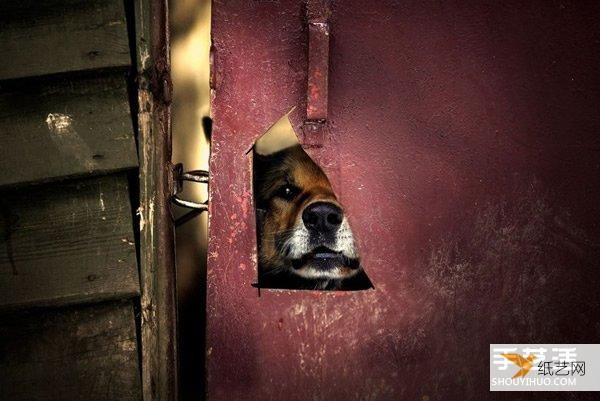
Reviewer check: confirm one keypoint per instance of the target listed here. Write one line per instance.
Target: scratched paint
(67, 140)
(58, 123)
(462, 140)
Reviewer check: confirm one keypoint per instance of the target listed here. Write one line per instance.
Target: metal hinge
(179, 176)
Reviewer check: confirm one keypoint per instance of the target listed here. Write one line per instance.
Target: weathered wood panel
(82, 353)
(65, 127)
(157, 255)
(67, 243)
(52, 36)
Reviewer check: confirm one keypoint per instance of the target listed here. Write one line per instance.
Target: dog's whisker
(280, 231)
(274, 271)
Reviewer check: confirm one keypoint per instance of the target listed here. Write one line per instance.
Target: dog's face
(304, 240)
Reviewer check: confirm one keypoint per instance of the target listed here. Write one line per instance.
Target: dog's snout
(322, 217)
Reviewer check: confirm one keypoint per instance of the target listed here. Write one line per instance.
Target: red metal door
(462, 138)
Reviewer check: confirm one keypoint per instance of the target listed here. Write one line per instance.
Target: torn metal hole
(304, 238)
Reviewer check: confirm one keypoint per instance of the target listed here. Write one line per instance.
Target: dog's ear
(265, 164)
(260, 218)
(264, 169)
(261, 163)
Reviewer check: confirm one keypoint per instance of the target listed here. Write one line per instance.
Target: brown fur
(277, 215)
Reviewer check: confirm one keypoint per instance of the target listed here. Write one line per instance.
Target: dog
(304, 239)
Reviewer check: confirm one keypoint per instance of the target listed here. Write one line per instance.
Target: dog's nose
(322, 217)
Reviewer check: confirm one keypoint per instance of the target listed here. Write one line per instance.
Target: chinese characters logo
(563, 363)
(543, 367)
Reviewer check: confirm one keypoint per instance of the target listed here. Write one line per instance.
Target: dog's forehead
(303, 170)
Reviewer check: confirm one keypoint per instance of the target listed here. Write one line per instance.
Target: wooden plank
(67, 243)
(65, 127)
(70, 354)
(157, 256)
(53, 36)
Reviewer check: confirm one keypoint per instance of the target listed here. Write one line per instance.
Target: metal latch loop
(179, 177)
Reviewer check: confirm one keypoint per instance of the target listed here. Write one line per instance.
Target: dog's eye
(287, 192)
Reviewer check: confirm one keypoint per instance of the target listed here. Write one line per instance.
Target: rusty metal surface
(317, 16)
(463, 142)
(318, 60)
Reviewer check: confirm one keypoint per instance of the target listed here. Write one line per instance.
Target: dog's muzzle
(322, 244)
